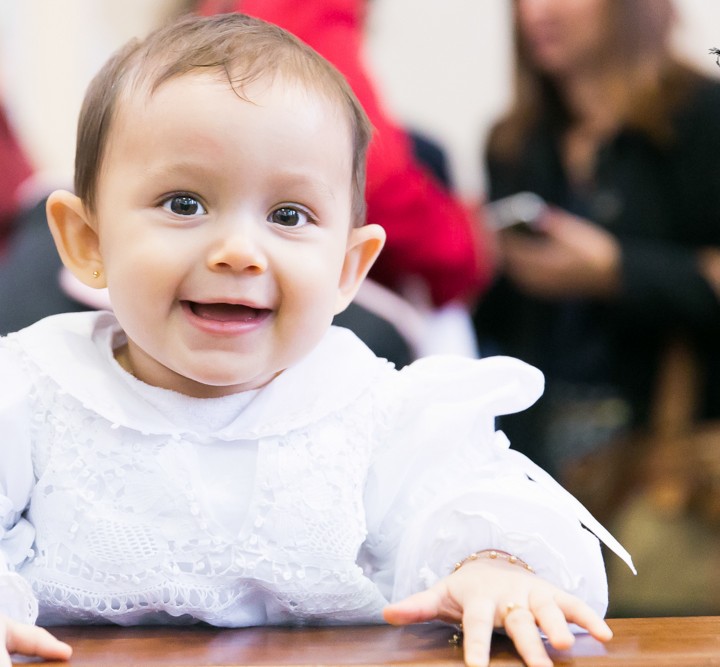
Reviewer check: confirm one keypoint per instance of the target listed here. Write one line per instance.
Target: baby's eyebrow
(178, 167)
(304, 180)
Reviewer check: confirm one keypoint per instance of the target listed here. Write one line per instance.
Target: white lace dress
(339, 486)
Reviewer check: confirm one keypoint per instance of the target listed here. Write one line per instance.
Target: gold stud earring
(96, 274)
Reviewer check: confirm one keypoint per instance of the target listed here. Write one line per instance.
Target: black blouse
(662, 202)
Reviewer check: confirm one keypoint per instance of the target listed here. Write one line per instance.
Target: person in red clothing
(15, 169)
(431, 236)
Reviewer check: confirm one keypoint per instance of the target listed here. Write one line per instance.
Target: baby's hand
(29, 640)
(485, 594)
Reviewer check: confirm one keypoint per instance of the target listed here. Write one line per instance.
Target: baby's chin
(203, 378)
(218, 386)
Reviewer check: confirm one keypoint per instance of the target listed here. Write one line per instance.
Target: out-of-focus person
(15, 171)
(621, 140)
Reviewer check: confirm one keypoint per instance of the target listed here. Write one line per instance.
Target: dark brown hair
(638, 36)
(241, 47)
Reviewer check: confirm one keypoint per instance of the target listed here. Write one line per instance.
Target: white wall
(443, 66)
(49, 51)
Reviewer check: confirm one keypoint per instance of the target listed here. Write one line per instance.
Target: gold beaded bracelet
(494, 554)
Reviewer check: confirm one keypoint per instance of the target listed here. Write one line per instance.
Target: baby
(213, 450)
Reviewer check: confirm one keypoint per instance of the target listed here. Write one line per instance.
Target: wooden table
(671, 642)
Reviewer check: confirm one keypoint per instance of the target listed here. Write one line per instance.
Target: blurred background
(444, 70)
(443, 67)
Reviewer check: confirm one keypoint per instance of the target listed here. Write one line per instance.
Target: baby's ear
(75, 237)
(364, 245)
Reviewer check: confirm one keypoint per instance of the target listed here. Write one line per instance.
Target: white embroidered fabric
(337, 487)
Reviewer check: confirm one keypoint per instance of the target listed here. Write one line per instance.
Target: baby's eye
(289, 216)
(184, 205)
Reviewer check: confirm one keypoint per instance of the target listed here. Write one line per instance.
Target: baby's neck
(123, 358)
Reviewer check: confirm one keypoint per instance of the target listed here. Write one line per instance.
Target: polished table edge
(676, 642)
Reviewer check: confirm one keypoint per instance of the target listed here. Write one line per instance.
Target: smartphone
(521, 212)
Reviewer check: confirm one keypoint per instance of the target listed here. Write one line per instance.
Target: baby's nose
(238, 248)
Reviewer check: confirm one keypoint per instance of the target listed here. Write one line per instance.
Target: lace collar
(75, 351)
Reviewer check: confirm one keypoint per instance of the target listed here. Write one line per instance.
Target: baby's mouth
(227, 312)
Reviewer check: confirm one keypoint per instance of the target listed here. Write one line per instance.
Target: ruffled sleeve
(445, 483)
(16, 483)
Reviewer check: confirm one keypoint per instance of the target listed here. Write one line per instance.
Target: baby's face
(223, 227)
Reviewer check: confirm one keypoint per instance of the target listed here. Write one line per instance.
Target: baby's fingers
(33, 641)
(418, 608)
(576, 611)
(478, 621)
(521, 627)
(552, 621)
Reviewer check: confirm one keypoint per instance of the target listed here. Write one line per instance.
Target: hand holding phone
(522, 212)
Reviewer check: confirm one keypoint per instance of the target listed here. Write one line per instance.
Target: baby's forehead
(204, 112)
(143, 89)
